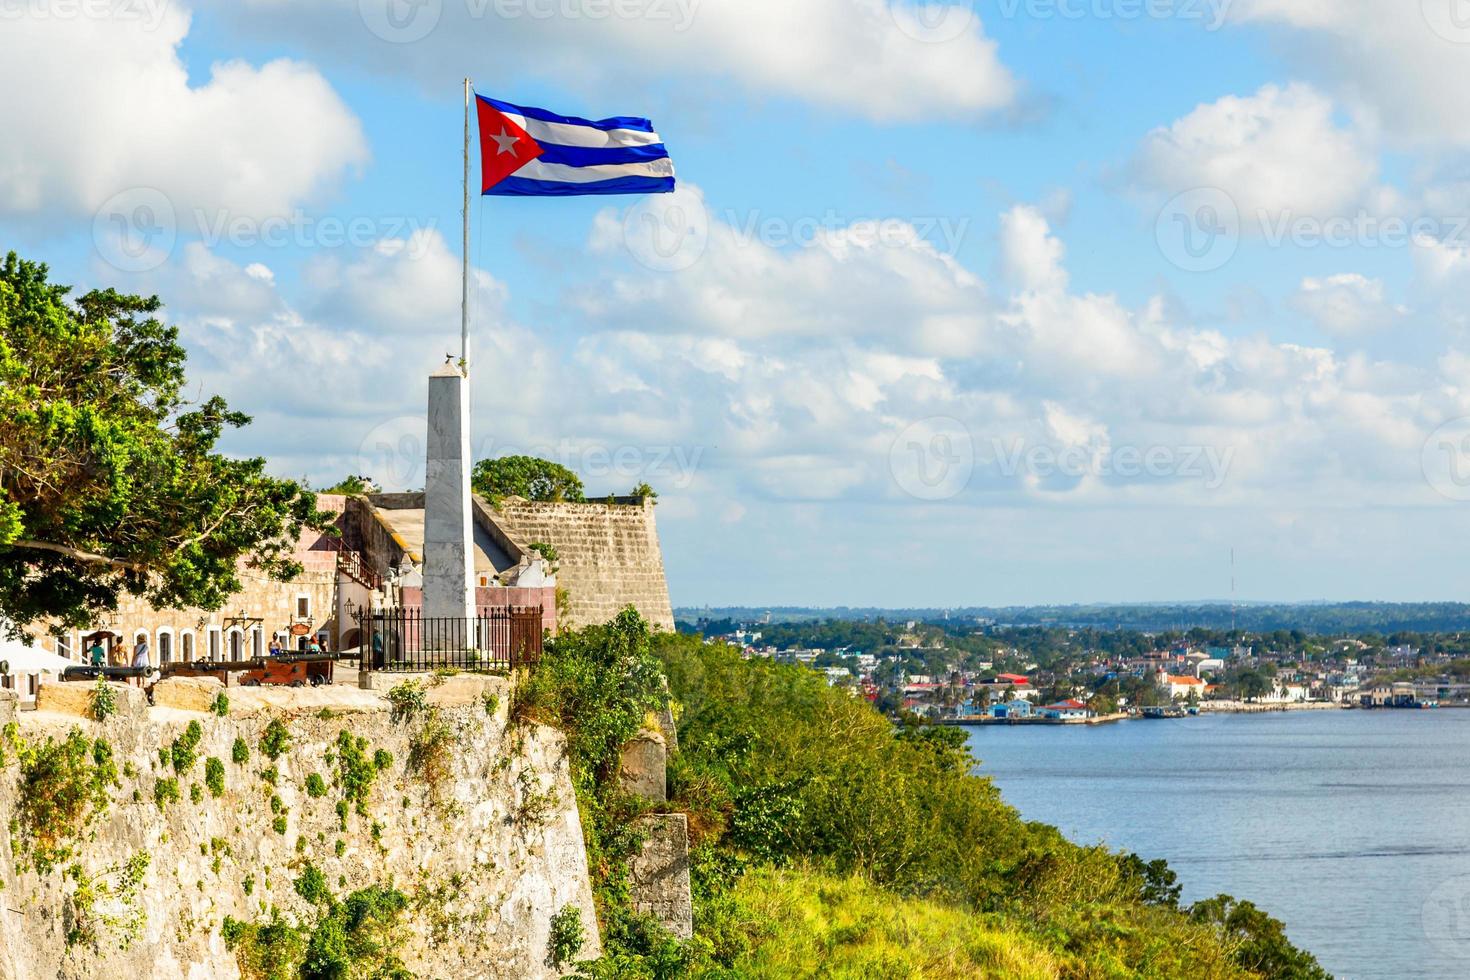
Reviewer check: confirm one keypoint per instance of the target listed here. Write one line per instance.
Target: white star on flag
(506, 142)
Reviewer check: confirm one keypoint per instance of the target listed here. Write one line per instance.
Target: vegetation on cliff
(823, 836)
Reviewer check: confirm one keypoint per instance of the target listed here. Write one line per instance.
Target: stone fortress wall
(487, 856)
(609, 555)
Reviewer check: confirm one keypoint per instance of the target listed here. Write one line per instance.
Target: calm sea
(1353, 827)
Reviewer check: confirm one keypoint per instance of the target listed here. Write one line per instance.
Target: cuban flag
(527, 152)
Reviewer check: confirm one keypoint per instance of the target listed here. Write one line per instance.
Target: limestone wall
(609, 555)
(485, 864)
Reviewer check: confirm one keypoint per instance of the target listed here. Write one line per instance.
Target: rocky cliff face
(471, 820)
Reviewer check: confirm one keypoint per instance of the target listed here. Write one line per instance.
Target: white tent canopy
(30, 660)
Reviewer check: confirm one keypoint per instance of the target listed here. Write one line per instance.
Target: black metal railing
(405, 641)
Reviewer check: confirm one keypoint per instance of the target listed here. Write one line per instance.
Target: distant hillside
(1323, 617)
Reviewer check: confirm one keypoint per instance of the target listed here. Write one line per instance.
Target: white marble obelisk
(449, 564)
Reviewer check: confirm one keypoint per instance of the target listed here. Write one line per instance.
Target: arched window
(237, 645)
(257, 642)
(186, 646)
(165, 647)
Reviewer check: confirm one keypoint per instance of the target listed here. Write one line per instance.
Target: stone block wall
(486, 856)
(609, 555)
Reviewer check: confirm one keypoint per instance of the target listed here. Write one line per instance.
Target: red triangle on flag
(504, 146)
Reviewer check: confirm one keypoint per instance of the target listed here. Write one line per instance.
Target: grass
(802, 923)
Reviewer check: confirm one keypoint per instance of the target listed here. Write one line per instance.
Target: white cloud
(1402, 65)
(860, 56)
(100, 105)
(1347, 304)
(1277, 151)
(1031, 257)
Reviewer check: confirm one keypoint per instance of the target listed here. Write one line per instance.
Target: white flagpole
(464, 298)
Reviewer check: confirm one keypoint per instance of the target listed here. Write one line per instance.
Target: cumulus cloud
(1347, 304)
(1031, 257)
(881, 59)
(1402, 66)
(101, 105)
(1278, 151)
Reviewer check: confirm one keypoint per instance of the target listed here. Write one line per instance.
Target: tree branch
(85, 557)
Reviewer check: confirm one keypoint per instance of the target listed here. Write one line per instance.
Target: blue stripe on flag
(524, 187)
(592, 156)
(616, 122)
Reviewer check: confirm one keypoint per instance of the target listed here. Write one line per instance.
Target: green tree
(109, 482)
(355, 486)
(526, 476)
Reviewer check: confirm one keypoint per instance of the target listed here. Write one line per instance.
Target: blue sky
(921, 326)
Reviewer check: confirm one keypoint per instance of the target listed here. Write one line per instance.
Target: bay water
(1352, 827)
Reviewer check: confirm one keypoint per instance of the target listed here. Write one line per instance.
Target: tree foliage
(109, 480)
(526, 476)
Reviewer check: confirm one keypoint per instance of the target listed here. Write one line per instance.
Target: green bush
(382, 759)
(276, 741)
(431, 752)
(240, 752)
(316, 787)
(221, 704)
(566, 937)
(182, 752)
(355, 772)
(214, 776)
(311, 885)
(352, 939)
(408, 700)
(166, 791)
(63, 787)
(104, 700)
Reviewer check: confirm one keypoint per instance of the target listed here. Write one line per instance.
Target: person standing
(97, 655)
(275, 647)
(140, 659)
